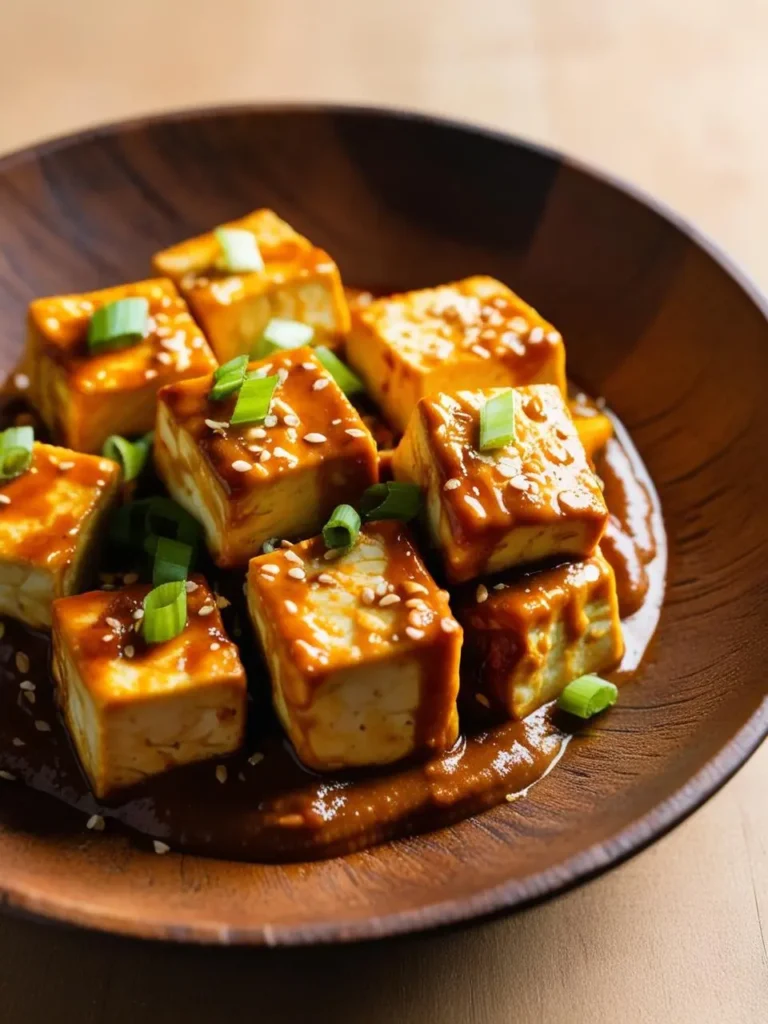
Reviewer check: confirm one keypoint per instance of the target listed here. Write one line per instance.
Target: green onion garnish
(342, 528)
(139, 525)
(165, 612)
(118, 324)
(587, 696)
(392, 500)
(497, 421)
(239, 251)
(253, 400)
(15, 451)
(349, 382)
(228, 378)
(131, 455)
(270, 545)
(282, 334)
(172, 561)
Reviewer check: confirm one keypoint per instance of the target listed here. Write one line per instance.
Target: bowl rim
(514, 894)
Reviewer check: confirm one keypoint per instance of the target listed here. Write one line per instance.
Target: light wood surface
(672, 96)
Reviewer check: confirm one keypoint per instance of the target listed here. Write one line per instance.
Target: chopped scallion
(131, 455)
(587, 696)
(15, 451)
(165, 612)
(391, 500)
(342, 528)
(239, 251)
(139, 524)
(228, 378)
(119, 324)
(282, 334)
(253, 400)
(348, 381)
(270, 545)
(497, 421)
(172, 561)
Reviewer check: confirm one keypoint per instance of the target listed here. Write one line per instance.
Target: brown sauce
(270, 808)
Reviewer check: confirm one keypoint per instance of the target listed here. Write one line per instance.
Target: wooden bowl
(656, 321)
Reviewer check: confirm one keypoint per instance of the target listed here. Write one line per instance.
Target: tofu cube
(362, 649)
(535, 498)
(298, 282)
(84, 397)
(475, 333)
(279, 478)
(528, 638)
(49, 527)
(135, 709)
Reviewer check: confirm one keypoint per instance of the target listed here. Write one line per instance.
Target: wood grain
(673, 100)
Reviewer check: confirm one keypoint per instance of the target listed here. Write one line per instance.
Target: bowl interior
(652, 321)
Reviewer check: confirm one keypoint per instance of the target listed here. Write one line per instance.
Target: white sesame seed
(382, 588)
(21, 380)
(64, 466)
(190, 586)
(475, 505)
(129, 651)
(113, 623)
(17, 742)
(138, 614)
(326, 579)
(221, 773)
(482, 699)
(320, 383)
(4, 499)
(27, 684)
(389, 599)
(270, 421)
(355, 432)
(215, 646)
(282, 375)
(520, 483)
(164, 357)
(416, 602)
(452, 484)
(411, 587)
(150, 374)
(536, 335)
(480, 351)
(291, 607)
(367, 596)
(241, 466)
(7, 776)
(107, 637)
(333, 554)
(255, 448)
(216, 425)
(257, 432)
(335, 423)
(308, 366)
(265, 456)
(255, 758)
(270, 569)
(287, 544)
(207, 609)
(481, 594)
(413, 633)
(159, 847)
(22, 662)
(290, 420)
(297, 573)
(291, 556)
(281, 453)
(95, 823)
(553, 336)
(315, 438)
(42, 726)
(449, 625)
(222, 602)
(30, 696)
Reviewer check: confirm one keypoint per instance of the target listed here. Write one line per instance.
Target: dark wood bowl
(656, 321)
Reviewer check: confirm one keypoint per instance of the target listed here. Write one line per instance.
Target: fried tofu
(533, 499)
(475, 333)
(363, 650)
(594, 427)
(49, 524)
(525, 640)
(135, 709)
(298, 282)
(278, 478)
(84, 397)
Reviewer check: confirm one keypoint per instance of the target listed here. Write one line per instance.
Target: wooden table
(674, 97)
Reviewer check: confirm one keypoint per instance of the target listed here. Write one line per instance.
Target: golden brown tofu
(533, 499)
(135, 709)
(362, 649)
(594, 426)
(84, 397)
(278, 478)
(475, 333)
(49, 521)
(525, 640)
(298, 282)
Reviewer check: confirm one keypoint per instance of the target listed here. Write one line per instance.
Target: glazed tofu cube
(135, 709)
(298, 282)
(49, 525)
(84, 397)
(525, 640)
(533, 499)
(278, 478)
(475, 333)
(362, 649)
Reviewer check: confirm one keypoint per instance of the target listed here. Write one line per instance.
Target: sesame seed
(481, 594)
(221, 773)
(291, 556)
(413, 633)
(355, 432)
(482, 699)
(150, 374)
(29, 695)
(265, 456)
(222, 602)
(113, 623)
(297, 573)
(290, 420)
(64, 466)
(159, 847)
(281, 453)
(270, 568)
(449, 625)
(335, 423)
(42, 726)
(26, 684)
(315, 438)
(475, 505)
(536, 335)
(255, 448)
(95, 823)
(190, 586)
(480, 351)
(138, 614)
(17, 742)
(389, 599)
(367, 596)
(381, 588)
(7, 776)
(416, 618)
(452, 484)
(326, 578)
(416, 602)
(291, 606)
(270, 421)
(164, 357)
(101, 483)
(129, 651)
(553, 336)
(4, 499)
(257, 432)
(21, 380)
(282, 375)
(22, 662)
(241, 466)
(333, 554)
(207, 609)
(216, 425)
(107, 637)
(411, 587)
(255, 758)
(308, 366)
(320, 383)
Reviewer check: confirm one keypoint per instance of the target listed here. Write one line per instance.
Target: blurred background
(673, 96)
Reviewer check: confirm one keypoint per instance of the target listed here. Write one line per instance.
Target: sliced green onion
(131, 455)
(253, 400)
(239, 251)
(15, 451)
(282, 334)
(587, 696)
(342, 528)
(392, 500)
(172, 561)
(497, 421)
(270, 545)
(228, 378)
(140, 524)
(118, 324)
(349, 382)
(165, 612)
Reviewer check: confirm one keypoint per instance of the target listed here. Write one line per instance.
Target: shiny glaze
(272, 809)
